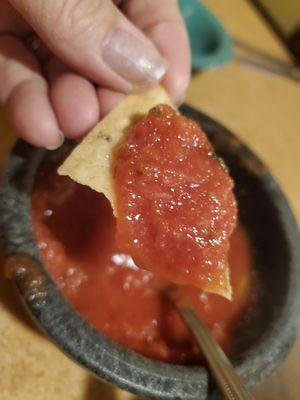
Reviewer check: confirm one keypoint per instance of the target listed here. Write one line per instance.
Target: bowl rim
(106, 359)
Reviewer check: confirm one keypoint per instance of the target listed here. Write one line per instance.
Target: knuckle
(75, 19)
(152, 12)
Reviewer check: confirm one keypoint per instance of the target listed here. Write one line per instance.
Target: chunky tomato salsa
(174, 200)
(75, 231)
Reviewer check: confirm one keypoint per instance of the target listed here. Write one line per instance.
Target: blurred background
(245, 57)
(284, 18)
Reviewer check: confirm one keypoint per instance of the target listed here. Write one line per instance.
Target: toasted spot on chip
(223, 289)
(90, 161)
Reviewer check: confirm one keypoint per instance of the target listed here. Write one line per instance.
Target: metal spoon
(221, 368)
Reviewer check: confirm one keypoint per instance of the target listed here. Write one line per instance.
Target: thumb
(94, 38)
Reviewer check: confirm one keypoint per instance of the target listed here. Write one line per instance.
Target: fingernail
(59, 141)
(133, 59)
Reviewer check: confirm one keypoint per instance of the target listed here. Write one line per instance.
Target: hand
(88, 53)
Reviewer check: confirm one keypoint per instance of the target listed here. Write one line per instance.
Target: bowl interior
(270, 248)
(262, 337)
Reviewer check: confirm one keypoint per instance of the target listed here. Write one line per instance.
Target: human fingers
(97, 40)
(24, 92)
(162, 23)
(108, 99)
(73, 98)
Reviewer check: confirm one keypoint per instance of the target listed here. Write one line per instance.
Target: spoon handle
(250, 55)
(221, 368)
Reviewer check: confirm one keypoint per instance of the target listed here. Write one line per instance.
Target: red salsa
(75, 232)
(174, 200)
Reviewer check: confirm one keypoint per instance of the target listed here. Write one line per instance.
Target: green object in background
(210, 43)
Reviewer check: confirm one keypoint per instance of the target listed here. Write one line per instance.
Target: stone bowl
(262, 340)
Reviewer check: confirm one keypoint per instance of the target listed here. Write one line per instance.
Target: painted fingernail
(58, 142)
(133, 59)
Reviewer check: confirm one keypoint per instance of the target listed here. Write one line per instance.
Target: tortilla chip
(223, 289)
(90, 162)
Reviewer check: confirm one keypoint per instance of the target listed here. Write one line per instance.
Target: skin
(64, 88)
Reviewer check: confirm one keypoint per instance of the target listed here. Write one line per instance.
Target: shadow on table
(98, 390)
